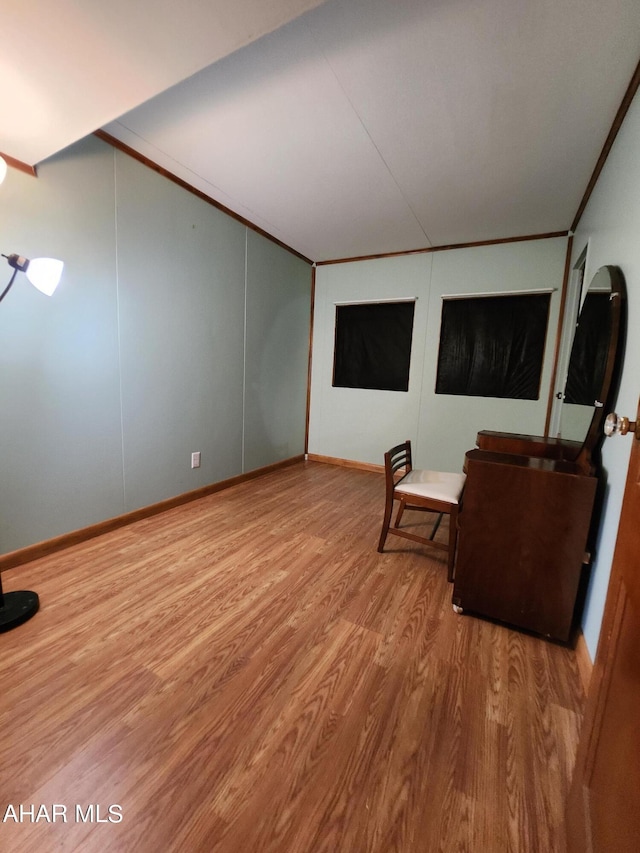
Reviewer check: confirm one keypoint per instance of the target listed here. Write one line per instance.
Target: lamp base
(17, 608)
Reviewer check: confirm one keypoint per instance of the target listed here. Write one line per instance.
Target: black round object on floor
(17, 607)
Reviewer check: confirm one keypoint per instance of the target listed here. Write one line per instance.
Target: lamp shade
(45, 274)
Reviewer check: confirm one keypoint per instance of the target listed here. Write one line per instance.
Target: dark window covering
(373, 345)
(493, 346)
(589, 351)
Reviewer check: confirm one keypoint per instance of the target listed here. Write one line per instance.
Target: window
(373, 345)
(493, 346)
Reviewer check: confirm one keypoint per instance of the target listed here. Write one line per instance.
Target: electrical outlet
(195, 459)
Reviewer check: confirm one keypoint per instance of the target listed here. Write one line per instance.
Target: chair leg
(436, 525)
(401, 510)
(388, 509)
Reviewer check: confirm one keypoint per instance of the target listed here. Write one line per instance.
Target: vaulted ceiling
(343, 128)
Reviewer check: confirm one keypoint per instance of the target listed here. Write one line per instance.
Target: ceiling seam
(369, 136)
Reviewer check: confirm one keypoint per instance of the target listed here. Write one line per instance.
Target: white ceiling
(360, 127)
(69, 66)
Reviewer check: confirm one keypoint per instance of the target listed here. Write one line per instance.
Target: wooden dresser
(523, 529)
(528, 502)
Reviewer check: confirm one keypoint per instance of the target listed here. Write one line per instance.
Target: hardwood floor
(247, 673)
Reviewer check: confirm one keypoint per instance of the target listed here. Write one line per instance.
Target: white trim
(379, 301)
(497, 293)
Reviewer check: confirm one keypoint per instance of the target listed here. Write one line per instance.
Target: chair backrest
(396, 458)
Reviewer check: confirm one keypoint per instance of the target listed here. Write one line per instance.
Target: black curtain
(493, 346)
(373, 345)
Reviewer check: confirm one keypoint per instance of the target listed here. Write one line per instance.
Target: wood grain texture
(41, 549)
(246, 673)
(345, 463)
(585, 664)
(523, 532)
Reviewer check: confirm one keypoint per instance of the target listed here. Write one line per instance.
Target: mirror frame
(614, 356)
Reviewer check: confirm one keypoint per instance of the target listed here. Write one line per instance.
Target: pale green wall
(60, 424)
(449, 424)
(277, 361)
(610, 227)
(140, 357)
(181, 298)
(360, 424)
(357, 423)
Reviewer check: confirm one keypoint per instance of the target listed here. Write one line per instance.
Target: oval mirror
(593, 358)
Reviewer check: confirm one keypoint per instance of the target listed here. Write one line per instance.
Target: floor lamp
(43, 273)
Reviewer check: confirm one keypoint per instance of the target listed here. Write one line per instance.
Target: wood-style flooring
(247, 673)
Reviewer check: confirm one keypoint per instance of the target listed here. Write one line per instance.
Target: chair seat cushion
(439, 485)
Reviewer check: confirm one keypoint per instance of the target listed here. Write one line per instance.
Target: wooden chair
(426, 491)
